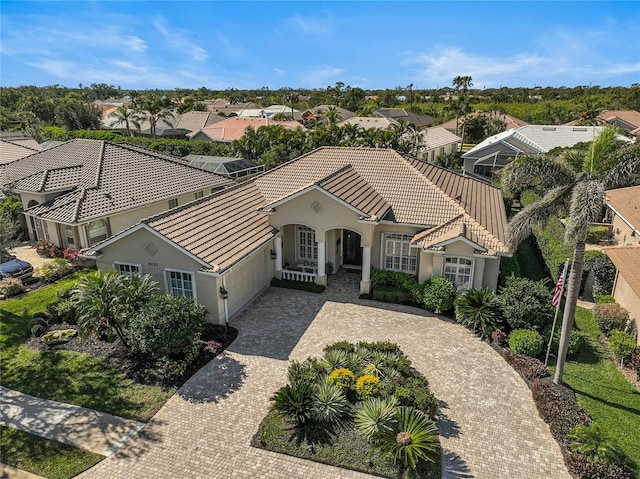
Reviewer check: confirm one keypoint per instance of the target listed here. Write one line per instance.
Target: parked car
(16, 268)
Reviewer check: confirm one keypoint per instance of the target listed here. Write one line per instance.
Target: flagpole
(555, 317)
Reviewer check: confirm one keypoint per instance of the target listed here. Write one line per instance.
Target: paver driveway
(488, 423)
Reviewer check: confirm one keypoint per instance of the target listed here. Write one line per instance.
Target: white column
(365, 284)
(278, 247)
(322, 257)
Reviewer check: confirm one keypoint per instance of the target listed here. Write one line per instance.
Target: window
(173, 203)
(98, 231)
(398, 255)
(199, 194)
(459, 271)
(127, 269)
(68, 231)
(180, 284)
(307, 247)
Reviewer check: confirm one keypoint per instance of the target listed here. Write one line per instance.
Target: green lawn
(65, 375)
(604, 392)
(43, 457)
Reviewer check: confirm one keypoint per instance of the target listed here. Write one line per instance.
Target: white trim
(123, 263)
(167, 288)
(140, 226)
(459, 238)
(617, 213)
(401, 242)
(314, 246)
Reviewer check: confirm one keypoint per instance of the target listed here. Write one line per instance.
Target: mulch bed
(140, 368)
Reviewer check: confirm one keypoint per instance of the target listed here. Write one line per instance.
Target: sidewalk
(77, 426)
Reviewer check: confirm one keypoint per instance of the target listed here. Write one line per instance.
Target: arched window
(98, 231)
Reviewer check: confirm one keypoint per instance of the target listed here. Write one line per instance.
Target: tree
(462, 104)
(157, 109)
(9, 229)
(128, 117)
(579, 193)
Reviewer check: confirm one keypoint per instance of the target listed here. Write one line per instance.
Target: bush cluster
(622, 345)
(392, 294)
(10, 286)
(54, 270)
(525, 341)
(610, 316)
(576, 340)
(439, 294)
(597, 234)
(526, 303)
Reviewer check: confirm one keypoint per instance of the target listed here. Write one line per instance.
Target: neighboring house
(510, 122)
(334, 207)
(318, 113)
(409, 117)
(234, 128)
(624, 207)
(232, 167)
(196, 120)
(12, 150)
(83, 191)
(270, 112)
(224, 107)
(498, 150)
(437, 141)
(627, 120)
(368, 122)
(178, 127)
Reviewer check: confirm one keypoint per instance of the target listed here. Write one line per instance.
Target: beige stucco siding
(628, 299)
(248, 278)
(623, 233)
(491, 273)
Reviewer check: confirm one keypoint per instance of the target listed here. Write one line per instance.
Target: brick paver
(488, 423)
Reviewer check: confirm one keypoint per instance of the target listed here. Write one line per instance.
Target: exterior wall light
(224, 294)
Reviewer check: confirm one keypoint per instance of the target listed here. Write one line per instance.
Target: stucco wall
(628, 299)
(623, 233)
(248, 278)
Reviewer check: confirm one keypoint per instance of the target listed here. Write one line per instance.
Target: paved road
(488, 423)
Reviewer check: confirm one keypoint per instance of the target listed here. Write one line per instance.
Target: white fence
(298, 276)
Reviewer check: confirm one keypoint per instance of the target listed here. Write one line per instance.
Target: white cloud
(309, 25)
(178, 40)
(321, 76)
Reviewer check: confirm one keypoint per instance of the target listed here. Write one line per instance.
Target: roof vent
(463, 229)
(579, 129)
(548, 128)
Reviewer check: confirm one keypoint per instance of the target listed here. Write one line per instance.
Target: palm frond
(536, 215)
(599, 150)
(528, 171)
(624, 167)
(586, 207)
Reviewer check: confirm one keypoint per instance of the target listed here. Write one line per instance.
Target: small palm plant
(412, 438)
(376, 415)
(477, 309)
(295, 401)
(334, 359)
(594, 441)
(329, 402)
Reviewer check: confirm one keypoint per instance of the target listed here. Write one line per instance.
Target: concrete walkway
(488, 423)
(74, 425)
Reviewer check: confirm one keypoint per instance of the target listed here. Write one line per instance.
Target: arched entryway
(351, 250)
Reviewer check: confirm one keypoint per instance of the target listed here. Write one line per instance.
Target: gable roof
(406, 115)
(626, 203)
(510, 121)
(627, 261)
(381, 184)
(194, 120)
(436, 137)
(105, 178)
(368, 122)
(12, 150)
(234, 128)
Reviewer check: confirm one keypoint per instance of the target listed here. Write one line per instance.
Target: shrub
(166, 325)
(610, 316)
(392, 294)
(47, 249)
(342, 377)
(329, 402)
(604, 272)
(415, 392)
(308, 370)
(499, 337)
(334, 359)
(38, 326)
(367, 386)
(594, 441)
(622, 345)
(375, 415)
(576, 340)
(604, 298)
(295, 401)
(509, 266)
(529, 368)
(477, 309)
(55, 270)
(525, 341)
(558, 407)
(526, 304)
(585, 467)
(11, 286)
(635, 362)
(412, 438)
(439, 294)
(596, 234)
(65, 311)
(340, 345)
(382, 347)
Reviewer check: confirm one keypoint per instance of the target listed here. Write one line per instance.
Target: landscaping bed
(360, 407)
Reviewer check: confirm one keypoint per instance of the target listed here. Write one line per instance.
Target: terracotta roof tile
(626, 201)
(234, 128)
(627, 260)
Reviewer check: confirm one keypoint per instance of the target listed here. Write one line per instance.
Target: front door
(351, 250)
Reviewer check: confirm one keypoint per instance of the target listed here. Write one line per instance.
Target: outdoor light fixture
(273, 255)
(224, 293)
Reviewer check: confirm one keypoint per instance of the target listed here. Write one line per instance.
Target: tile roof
(631, 117)
(510, 121)
(234, 128)
(224, 227)
(367, 122)
(627, 261)
(11, 150)
(436, 137)
(195, 120)
(320, 110)
(626, 201)
(407, 116)
(221, 228)
(105, 178)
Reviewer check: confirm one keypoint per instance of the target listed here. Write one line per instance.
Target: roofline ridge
(427, 232)
(79, 199)
(101, 160)
(334, 173)
(45, 176)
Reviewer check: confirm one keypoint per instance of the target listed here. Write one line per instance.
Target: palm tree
(462, 105)
(578, 191)
(156, 110)
(128, 117)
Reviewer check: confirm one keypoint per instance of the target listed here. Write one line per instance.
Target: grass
(43, 457)
(603, 391)
(67, 376)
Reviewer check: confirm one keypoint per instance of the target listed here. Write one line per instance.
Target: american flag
(557, 294)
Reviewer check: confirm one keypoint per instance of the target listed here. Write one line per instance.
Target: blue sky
(369, 44)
